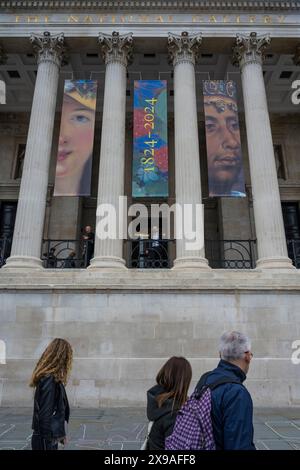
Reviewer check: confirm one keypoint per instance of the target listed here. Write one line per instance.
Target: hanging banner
(223, 140)
(76, 139)
(150, 139)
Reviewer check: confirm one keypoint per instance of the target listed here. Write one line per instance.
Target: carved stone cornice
(116, 47)
(141, 5)
(3, 56)
(289, 191)
(10, 190)
(249, 49)
(184, 47)
(296, 58)
(49, 48)
(13, 129)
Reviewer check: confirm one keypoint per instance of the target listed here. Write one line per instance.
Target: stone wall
(122, 336)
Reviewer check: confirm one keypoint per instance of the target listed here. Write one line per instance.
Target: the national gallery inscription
(207, 19)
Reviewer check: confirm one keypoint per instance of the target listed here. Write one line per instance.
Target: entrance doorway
(8, 211)
(151, 250)
(291, 219)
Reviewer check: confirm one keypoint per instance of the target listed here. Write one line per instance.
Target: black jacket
(164, 418)
(51, 408)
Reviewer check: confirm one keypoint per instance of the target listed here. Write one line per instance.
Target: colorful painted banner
(223, 140)
(150, 139)
(76, 139)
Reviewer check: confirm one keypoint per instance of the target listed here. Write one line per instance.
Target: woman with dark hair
(166, 398)
(51, 408)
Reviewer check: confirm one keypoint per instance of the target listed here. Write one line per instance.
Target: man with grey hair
(232, 408)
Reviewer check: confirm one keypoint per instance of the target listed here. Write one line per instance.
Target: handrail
(151, 253)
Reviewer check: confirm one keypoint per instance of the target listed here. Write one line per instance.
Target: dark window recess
(90, 54)
(291, 219)
(30, 55)
(286, 74)
(128, 93)
(35, 72)
(264, 72)
(269, 56)
(171, 92)
(149, 56)
(7, 221)
(206, 56)
(13, 74)
(279, 160)
(20, 160)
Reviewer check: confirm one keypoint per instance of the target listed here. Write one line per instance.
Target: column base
(191, 263)
(107, 262)
(23, 262)
(281, 262)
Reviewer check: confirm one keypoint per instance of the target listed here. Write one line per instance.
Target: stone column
(28, 232)
(184, 50)
(271, 241)
(117, 52)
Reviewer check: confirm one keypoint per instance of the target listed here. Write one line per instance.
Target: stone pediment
(140, 5)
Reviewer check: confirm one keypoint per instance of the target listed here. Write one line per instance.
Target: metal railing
(66, 254)
(294, 251)
(221, 254)
(231, 254)
(5, 247)
(151, 254)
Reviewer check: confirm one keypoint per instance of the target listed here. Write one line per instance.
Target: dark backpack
(193, 428)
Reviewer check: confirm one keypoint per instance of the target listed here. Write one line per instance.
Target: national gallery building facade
(73, 77)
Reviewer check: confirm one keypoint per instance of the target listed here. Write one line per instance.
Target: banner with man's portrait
(150, 139)
(223, 140)
(76, 139)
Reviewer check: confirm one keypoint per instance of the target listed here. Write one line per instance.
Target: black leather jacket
(51, 408)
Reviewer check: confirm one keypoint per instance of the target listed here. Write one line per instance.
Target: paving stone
(125, 428)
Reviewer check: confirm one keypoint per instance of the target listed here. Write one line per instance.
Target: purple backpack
(193, 428)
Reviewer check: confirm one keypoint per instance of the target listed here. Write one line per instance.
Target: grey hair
(233, 345)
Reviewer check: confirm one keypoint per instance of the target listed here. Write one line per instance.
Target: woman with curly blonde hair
(51, 408)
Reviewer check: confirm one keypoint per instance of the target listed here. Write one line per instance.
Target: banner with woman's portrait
(223, 140)
(76, 139)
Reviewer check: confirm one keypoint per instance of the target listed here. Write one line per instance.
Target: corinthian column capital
(116, 47)
(3, 56)
(49, 48)
(249, 49)
(184, 47)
